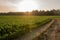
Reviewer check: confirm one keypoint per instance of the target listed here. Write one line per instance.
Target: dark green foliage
(7, 32)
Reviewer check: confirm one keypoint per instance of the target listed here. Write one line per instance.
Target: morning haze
(17, 5)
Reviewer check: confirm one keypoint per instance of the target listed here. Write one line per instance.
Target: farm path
(35, 33)
(52, 33)
(58, 30)
(55, 34)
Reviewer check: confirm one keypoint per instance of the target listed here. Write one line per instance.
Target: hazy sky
(18, 5)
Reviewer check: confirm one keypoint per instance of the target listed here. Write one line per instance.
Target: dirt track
(52, 33)
(55, 35)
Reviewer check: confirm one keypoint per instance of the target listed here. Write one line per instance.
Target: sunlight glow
(27, 5)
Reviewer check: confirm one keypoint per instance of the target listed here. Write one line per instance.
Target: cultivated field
(12, 26)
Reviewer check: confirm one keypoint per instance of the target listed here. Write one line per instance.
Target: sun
(27, 6)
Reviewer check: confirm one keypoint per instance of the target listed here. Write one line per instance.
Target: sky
(28, 5)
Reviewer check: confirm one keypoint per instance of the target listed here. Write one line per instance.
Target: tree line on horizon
(35, 13)
(46, 13)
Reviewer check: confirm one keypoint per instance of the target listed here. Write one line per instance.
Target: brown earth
(53, 33)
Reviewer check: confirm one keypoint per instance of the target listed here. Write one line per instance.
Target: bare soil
(52, 33)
